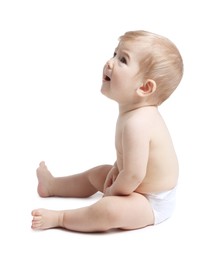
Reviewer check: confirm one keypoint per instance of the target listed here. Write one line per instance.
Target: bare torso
(162, 165)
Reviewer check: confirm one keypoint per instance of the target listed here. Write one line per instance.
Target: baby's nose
(110, 63)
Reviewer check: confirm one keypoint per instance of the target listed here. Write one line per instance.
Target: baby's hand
(107, 192)
(111, 177)
(108, 183)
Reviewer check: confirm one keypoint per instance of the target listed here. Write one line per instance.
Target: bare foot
(45, 219)
(45, 180)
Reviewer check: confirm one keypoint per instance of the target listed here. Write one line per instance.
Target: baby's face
(121, 76)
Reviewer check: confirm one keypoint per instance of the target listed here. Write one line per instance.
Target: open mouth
(106, 75)
(106, 78)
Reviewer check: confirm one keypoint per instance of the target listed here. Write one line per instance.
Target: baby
(139, 188)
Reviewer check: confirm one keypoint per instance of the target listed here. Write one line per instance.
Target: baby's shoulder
(136, 123)
(142, 118)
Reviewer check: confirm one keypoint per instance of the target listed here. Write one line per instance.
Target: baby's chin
(104, 89)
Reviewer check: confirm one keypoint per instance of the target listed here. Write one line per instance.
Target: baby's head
(160, 62)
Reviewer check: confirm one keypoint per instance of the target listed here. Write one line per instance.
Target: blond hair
(161, 61)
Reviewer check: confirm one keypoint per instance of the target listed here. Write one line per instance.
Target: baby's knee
(106, 210)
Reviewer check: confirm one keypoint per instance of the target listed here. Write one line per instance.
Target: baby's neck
(123, 109)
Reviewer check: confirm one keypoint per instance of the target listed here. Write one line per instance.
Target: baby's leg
(125, 212)
(78, 185)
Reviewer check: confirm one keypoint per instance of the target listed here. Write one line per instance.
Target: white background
(51, 59)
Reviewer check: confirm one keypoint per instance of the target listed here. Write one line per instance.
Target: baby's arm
(135, 145)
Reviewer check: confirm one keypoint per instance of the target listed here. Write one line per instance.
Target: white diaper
(163, 204)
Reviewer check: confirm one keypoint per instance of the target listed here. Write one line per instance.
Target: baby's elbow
(133, 183)
(136, 179)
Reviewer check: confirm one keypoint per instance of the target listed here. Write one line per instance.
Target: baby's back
(162, 168)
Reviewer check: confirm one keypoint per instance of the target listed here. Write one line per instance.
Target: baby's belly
(155, 186)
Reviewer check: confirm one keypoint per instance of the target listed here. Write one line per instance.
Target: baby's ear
(147, 89)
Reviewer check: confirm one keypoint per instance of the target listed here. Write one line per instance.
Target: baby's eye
(114, 54)
(123, 60)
